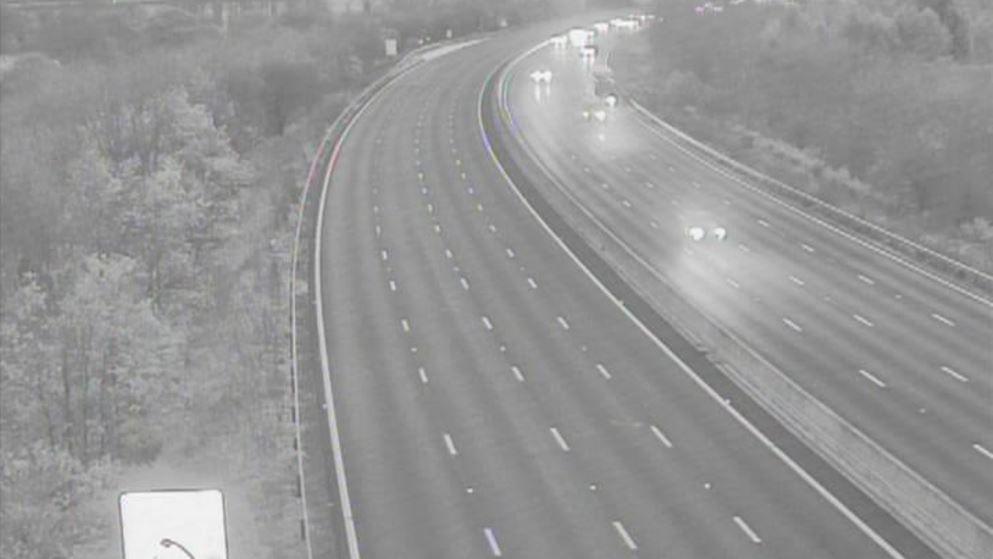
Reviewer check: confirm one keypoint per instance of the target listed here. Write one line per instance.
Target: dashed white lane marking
(492, 228)
(625, 537)
(796, 280)
(626, 203)
(479, 208)
(807, 248)
(732, 283)
(423, 374)
(866, 280)
(510, 253)
(654, 224)
(491, 540)
(558, 439)
(437, 228)
(747, 530)
(458, 162)
(417, 162)
(451, 445)
(448, 254)
(954, 374)
(563, 323)
(375, 209)
(420, 176)
(661, 436)
(603, 371)
(532, 283)
(393, 285)
(487, 323)
(465, 283)
(649, 185)
(743, 248)
(471, 190)
(982, 450)
(863, 320)
(726, 202)
(517, 373)
(875, 380)
(462, 174)
(430, 208)
(792, 324)
(762, 222)
(406, 324)
(379, 231)
(671, 168)
(385, 255)
(424, 190)
(942, 319)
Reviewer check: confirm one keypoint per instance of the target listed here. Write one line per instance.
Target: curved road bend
(906, 359)
(491, 400)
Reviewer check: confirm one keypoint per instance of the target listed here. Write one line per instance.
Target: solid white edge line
(347, 514)
(796, 468)
(336, 449)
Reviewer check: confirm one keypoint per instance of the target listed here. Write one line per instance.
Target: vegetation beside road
(150, 169)
(882, 108)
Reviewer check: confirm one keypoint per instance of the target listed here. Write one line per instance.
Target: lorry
(579, 37)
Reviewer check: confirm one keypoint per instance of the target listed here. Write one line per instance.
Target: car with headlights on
(700, 227)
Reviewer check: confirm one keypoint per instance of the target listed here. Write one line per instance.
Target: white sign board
(391, 47)
(174, 524)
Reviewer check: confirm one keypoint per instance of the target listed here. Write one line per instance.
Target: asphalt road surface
(905, 358)
(492, 401)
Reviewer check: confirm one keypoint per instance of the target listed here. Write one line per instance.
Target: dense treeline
(883, 107)
(150, 167)
(147, 196)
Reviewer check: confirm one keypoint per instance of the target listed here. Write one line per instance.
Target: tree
(922, 34)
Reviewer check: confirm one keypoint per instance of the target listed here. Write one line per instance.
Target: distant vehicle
(610, 100)
(627, 24)
(603, 84)
(595, 114)
(579, 37)
(701, 226)
(541, 76)
(559, 41)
